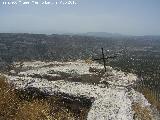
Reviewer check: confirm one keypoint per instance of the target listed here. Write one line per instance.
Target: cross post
(104, 59)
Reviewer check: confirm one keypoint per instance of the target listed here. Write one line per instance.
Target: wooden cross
(104, 59)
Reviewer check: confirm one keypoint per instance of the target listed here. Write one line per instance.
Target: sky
(129, 17)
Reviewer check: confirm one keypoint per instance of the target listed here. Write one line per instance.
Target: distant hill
(14, 46)
(115, 35)
(103, 34)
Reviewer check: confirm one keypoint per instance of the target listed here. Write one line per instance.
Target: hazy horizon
(127, 17)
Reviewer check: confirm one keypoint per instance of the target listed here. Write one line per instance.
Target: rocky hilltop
(111, 93)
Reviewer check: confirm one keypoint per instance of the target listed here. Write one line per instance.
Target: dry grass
(89, 61)
(141, 113)
(151, 97)
(13, 107)
(34, 110)
(8, 100)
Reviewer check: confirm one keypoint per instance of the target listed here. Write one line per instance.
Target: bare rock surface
(111, 102)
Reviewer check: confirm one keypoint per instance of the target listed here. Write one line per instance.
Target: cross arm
(109, 57)
(105, 58)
